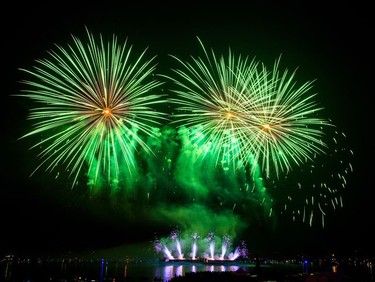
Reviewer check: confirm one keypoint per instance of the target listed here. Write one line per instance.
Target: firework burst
(94, 104)
(242, 113)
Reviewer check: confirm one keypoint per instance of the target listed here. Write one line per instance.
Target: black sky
(330, 44)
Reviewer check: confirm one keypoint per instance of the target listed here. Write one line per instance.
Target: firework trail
(94, 102)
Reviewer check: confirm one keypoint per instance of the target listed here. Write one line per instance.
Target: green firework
(94, 102)
(246, 114)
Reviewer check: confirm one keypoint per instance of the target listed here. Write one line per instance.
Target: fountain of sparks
(172, 248)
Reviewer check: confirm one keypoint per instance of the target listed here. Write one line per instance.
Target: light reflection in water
(12, 269)
(175, 270)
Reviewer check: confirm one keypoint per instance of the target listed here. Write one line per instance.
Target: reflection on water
(75, 269)
(101, 269)
(170, 270)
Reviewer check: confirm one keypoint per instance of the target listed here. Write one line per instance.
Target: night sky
(329, 44)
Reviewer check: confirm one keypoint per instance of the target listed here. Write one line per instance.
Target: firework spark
(242, 113)
(317, 188)
(94, 104)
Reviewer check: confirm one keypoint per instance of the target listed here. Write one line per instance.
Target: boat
(219, 261)
(201, 260)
